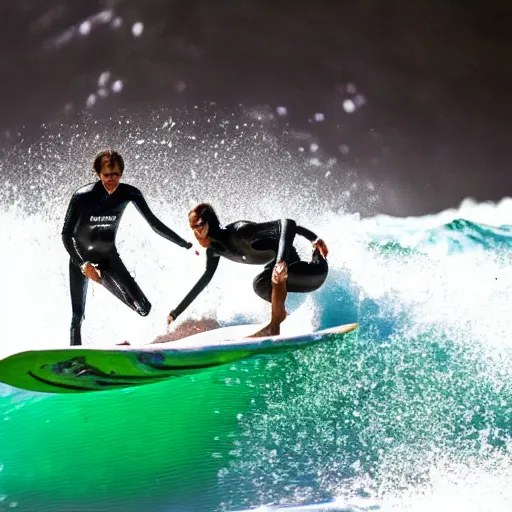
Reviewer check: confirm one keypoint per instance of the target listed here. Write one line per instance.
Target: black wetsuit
(261, 244)
(89, 234)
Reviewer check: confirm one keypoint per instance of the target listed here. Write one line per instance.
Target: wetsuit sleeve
(156, 224)
(212, 262)
(288, 228)
(70, 243)
(306, 233)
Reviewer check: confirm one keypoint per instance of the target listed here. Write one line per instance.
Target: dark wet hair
(206, 213)
(113, 158)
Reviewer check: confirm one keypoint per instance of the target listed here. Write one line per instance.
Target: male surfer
(266, 243)
(89, 233)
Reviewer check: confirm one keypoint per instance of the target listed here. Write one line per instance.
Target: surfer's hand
(92, 272)
(280, 272)
(170, 319)
(320, 245)
(189, 246)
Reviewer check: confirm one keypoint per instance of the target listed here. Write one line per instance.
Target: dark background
(433, 79)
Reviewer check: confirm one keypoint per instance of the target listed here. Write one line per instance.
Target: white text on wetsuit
(103, 218)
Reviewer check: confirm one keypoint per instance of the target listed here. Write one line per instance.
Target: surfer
(89, 233)
(266, 243)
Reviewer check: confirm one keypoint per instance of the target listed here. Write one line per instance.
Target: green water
(157, 447)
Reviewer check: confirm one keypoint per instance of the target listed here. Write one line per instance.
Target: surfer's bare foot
(268, 330)
(272, 329)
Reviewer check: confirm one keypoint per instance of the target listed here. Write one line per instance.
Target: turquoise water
(410, 409)
(412, 412)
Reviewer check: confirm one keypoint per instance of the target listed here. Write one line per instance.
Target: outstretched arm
(212, 262)
(156, 224)
(69, 241)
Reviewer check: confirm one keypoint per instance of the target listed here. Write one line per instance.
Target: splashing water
(411, 413)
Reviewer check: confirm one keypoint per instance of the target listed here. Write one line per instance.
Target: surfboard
(88, 368)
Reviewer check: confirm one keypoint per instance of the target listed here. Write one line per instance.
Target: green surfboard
(82, 369)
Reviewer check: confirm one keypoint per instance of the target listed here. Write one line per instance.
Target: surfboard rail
(85, 369)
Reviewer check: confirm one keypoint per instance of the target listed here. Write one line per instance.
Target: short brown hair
(205, 212)
(113, 158)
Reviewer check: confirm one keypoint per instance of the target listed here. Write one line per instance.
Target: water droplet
(104, 16)
(104, 78)
(91, 100)
(359, 100)
(84, 28)
(117, 86)
(349, 106)
(137, 29)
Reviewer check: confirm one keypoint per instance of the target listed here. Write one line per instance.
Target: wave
(404, 413)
